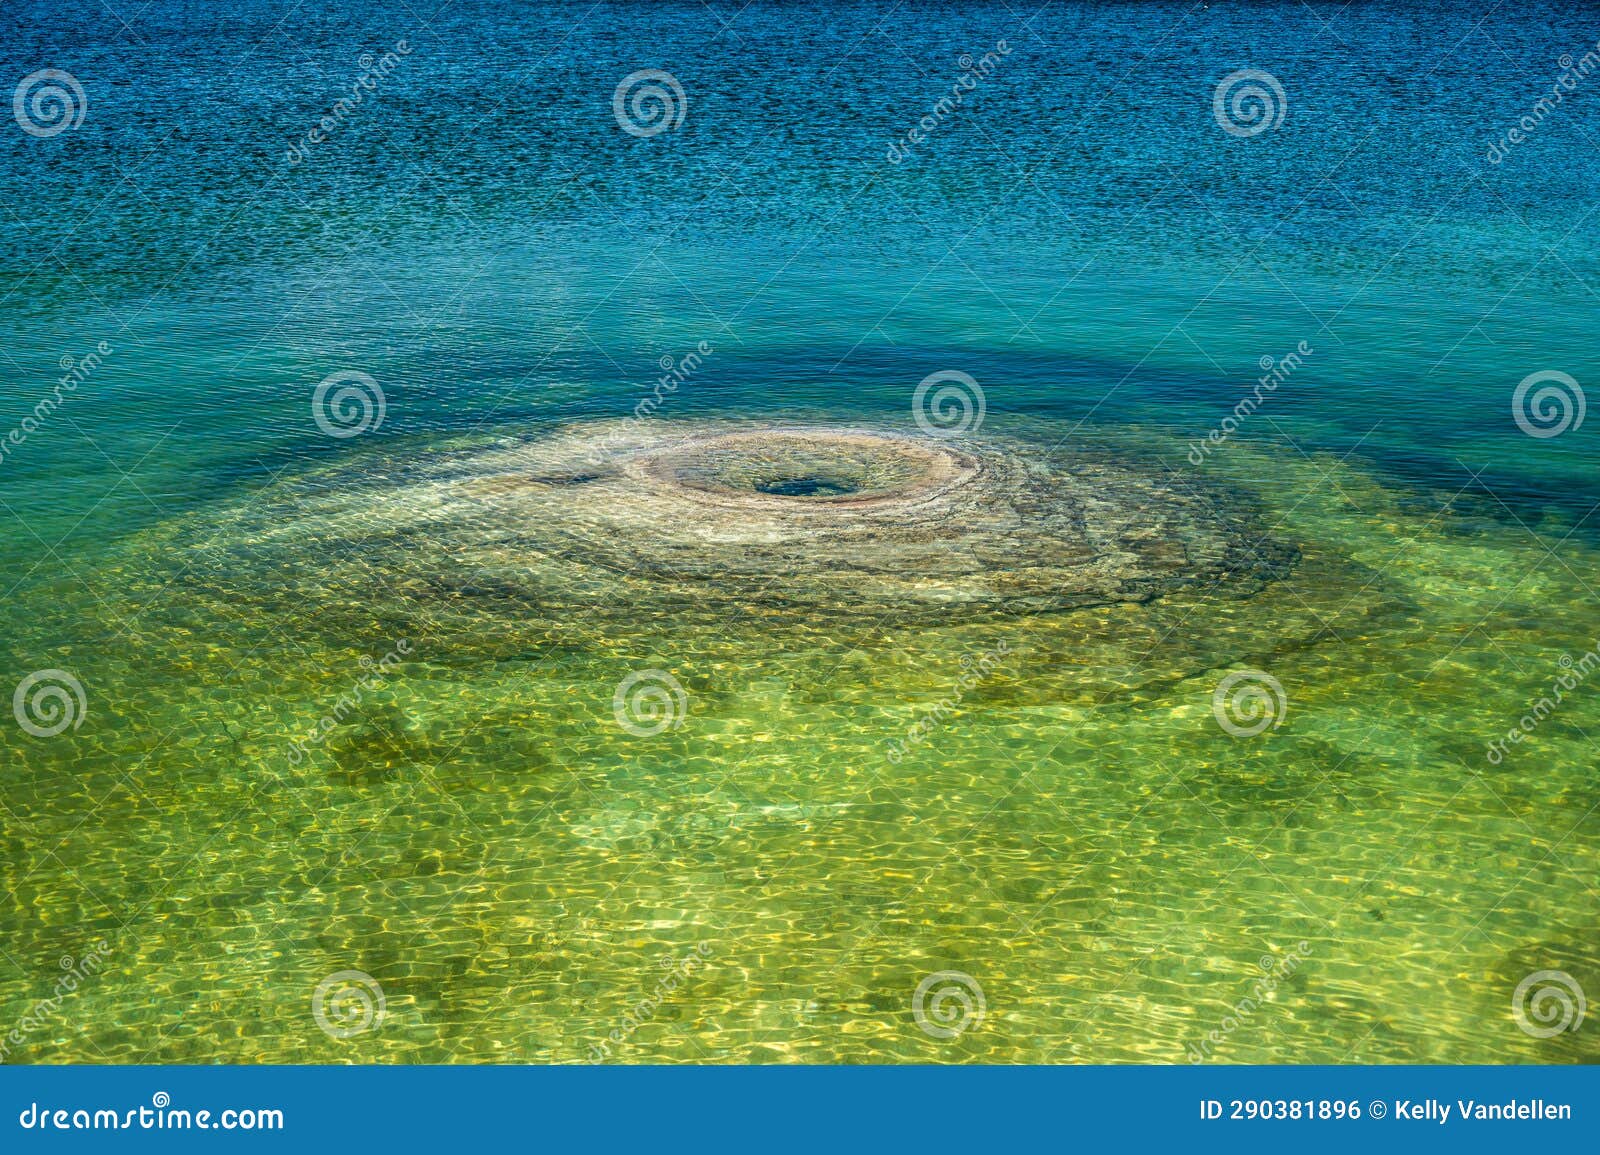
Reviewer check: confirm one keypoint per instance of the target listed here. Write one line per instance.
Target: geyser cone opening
(790, 468)
(631, 521)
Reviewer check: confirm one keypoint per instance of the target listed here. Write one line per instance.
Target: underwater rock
(633, 518)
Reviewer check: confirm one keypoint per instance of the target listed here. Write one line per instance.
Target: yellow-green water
(1077, 832)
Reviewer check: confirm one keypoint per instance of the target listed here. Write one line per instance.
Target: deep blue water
(1080, 233)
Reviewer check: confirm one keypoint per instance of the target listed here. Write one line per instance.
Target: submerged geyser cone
(636, 518)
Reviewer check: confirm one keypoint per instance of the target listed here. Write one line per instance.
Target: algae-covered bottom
(367, 719)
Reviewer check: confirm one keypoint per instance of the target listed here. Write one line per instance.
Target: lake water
(1029, 831)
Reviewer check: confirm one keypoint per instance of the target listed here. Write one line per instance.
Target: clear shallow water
(1078, 834)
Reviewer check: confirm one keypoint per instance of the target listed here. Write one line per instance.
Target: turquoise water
(1082, 238)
